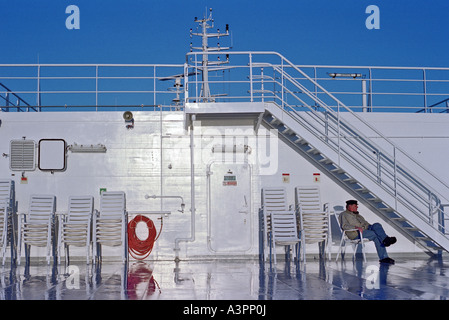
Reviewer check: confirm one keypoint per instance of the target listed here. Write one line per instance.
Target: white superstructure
(197, 155)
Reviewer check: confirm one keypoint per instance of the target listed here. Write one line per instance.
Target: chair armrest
(360, 232)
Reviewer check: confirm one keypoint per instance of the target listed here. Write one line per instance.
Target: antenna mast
(204, 26)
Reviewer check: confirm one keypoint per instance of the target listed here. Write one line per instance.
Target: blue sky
(412, 32)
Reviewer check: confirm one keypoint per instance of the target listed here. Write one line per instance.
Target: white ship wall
(133, 164)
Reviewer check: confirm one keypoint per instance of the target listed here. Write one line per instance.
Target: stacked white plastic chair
(37, 226)
(279, 221)
(110, 223)
(284, 230)
(8, 221)
(75, 227)
(314, 218)
(345, 241)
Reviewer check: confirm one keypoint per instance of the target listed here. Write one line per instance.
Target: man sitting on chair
(351, 219)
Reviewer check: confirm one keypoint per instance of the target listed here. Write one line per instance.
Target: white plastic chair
(8, 223)
(75, 227)
(274, 199)
(110, 223)
(314, 219)
(37, 227)
(284, 231)
(345, 241)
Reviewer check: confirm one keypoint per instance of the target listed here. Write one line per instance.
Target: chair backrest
(338, 210)
(80, 208)
(6, 187)
(7, 193)
(337, 231)
(308, 198)
(41, 208)
(284, 226)
(274, 199)
(112, 203)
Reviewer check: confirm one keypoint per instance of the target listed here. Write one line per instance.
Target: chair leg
(4, 245)
(49, 243)
(27, 248)
(329, 249)
(363, 250)
(354, 250)
(19, 252)
(340, 249)
(66, 254)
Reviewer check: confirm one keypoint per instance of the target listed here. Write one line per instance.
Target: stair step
(350, 180)
(401, 219)
(423, 238)
(363, 190)
(288, 131)
(375, 199)
(313, 151)
(337, 170)
(411, 228)
(325, 161)
(275, 121)
(433, 245)
(300, 140)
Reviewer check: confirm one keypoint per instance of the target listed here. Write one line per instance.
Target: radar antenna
(204, 25)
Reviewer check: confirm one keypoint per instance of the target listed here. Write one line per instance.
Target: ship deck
(412, 277)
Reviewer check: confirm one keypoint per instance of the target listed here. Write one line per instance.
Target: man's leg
(373, 236)
(384, 239)
(378, 230)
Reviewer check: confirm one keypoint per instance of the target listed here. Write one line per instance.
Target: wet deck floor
(410, 278)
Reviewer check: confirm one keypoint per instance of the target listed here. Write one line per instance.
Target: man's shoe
(388, 241)
(387, 260)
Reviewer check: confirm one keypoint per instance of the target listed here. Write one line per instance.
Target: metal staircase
(380, 175)
(336, 140)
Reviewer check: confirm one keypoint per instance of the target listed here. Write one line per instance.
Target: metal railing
(42, 87)
(89, 87)
(361, 88)
(409, 183)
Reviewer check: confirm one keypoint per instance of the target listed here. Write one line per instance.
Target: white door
(230, 222)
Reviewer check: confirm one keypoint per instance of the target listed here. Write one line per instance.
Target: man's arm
(345, 222)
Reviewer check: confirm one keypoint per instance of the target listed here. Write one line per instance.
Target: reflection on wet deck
(409, 278)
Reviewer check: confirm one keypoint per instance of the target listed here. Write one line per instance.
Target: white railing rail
(52, 87)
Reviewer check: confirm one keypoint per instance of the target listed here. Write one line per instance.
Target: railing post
(326, 126)
(282, 83)
(38, 102)
(379, 168)
(370, 91)
(430, 208)
(96, 87)
(251, 76)
(395, 179)
(186, 84)
(196, 78)
(338, 131)
(316, 88)
(7, 100)
(154, 85)
(425, 91)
